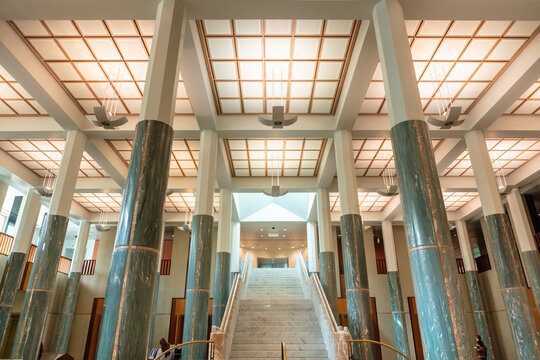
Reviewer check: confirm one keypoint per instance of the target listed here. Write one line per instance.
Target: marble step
(278, 340)
(283, 334)
(277, 354)
(277, 347)
(271, 328)
(278, 316)
(282, 324)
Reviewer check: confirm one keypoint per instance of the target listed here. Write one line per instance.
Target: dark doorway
(272, 263)
(417, 337)
(93, 329)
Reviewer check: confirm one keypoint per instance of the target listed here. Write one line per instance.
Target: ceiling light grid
(44, 156)
(184, 159)
(99, 202)
(506, 156)
(83, 55)
(253, 64)
(272, 157)
(14, 99)
(453, 201)
(373, 156)
(468, 56)
(185, 202)
(528, 103)
(367, 201)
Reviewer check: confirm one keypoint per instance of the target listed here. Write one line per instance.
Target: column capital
(348, 188)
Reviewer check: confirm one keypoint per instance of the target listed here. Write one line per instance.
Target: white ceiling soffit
(259, 207)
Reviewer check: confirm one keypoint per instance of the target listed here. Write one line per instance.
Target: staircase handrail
(335, 337)
(222, 335)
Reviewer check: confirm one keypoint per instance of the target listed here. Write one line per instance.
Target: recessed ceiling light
(284, 229)
(279, 248)
(261, 229)
(253, 247)
(265, 248)
(262, 235)
(283, 235)
(292, 247)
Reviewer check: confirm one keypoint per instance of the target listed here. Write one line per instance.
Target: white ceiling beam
(223, 170)
(447, 152)
(525, 174)
(448, 183)
(257, 184)
(249, 9)
(16, 174)
(327, 168)
(393, 209)
(364, 60)
(107, 158)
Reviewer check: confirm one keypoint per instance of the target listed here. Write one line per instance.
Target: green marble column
(40, 286)
(222, 278)
(356, 284)
(154, 313)
(127, 312)
(513, 287)
(442, 318)
(327, 273)
(531, 262)
(483, 326)
(198, 287)
(63, 328)
(398, 314)
(8, 287)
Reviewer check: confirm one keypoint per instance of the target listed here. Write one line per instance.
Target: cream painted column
(394, 283)
(441, 311)
(311, 232)
(526, 242)
(507, 263)
(354, 254)
(127, 313)
(3, 191)
(327, 254)
(483, 325)
(222, 274)
(200, 253)
(40, 286)
(24, 231)
(235, 251)
(156, 289)
(63, 328)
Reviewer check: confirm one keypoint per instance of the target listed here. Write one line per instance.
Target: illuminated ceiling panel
(466, 56)
(98, 202)
(185, 202)
(506, 156)
(267, 157)
(528, 103)
(373, 156)
(14, 100)
(255, 64)
(184, 158)
(454, 201)
(368, 201)
(44, 156)
(94, 59)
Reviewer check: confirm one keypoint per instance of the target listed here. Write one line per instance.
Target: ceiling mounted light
(278, 120)
(105, 113)
(502, 184)
(448, 114)
(101, 226)
(46, 189)
(188, 218)
(390, 188)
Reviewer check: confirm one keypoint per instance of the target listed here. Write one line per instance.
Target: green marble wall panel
(531, 262)
(398, 314)
(63, 328)
(127, 311)
(327, 273)
(39, 290)
(154, 312)
(514, 287)
(198, 286)
(8, 287)
(441, 310)
(483, 326)
(222, 277)
(356, 284)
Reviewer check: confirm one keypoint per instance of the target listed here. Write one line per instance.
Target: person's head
(478, 338)
(164, 344)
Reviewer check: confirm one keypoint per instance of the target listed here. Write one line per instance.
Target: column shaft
(198, 280)
(222, 274)
(311, 232)
(43, 276)
(443, 322)
(327, 266)
(156, 289)
(26, 224)
(479, 308)
(63, 328)
(394, 284)
(354, 256)
(507, 263)
(526, 241)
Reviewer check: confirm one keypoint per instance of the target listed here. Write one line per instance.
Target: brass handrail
(283, 352)
(189, 343)
(375, 342)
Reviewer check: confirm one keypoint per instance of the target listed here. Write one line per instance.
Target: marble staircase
(275, 310)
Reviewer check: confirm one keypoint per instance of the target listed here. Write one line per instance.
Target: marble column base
(398, 313)
(221, 286)
(40, 286)
(198, 287)
(8, 287)
(514, 287)
(483, 327)
(439, 299)
(531, 262)
(327, 273)
(356, 285)
(127, 311)
(63, 328)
